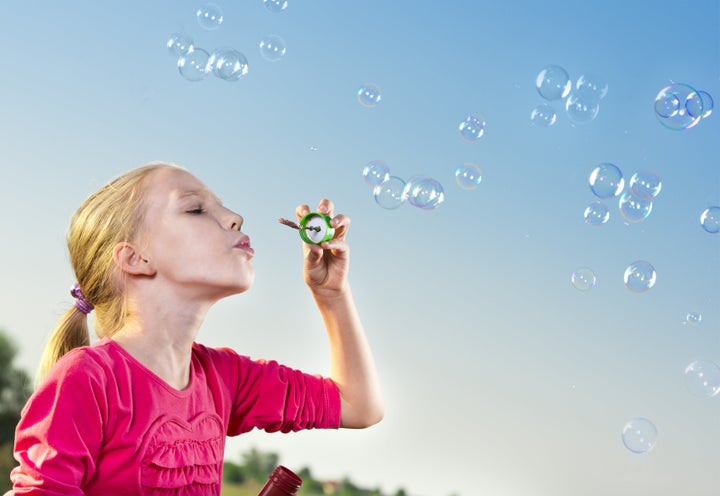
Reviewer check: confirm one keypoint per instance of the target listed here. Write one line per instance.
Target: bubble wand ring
(314, 228)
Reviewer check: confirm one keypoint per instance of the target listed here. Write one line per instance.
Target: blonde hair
(111, 215)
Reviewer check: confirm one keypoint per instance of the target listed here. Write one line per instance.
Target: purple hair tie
(80, 302)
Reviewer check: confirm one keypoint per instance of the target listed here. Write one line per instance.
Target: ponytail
(71, 332)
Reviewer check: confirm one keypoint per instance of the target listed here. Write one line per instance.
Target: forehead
(168, 184)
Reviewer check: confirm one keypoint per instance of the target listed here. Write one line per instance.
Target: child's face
(193, 241)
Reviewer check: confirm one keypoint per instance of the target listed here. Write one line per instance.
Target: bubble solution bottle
(282, 482)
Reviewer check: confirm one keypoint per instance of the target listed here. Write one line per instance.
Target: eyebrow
(202, 194)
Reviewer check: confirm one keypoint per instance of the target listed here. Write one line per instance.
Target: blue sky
(500, 377)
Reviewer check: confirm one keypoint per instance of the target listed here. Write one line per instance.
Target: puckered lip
(244, 244)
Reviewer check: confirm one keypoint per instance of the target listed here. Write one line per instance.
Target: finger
(340, 223)
(326, 207)
(337, 246)
(301, 211)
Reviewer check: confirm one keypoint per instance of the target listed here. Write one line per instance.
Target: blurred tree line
(15, 388)
(256, 466)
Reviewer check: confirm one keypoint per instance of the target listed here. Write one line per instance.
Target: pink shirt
(104, 424)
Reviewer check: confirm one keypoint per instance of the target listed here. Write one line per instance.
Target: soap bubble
(193, 66)
(272, 48)
(179, 44)
(639, 435)
(591, 88)
(424, 192)
(634, 208)
(579, 110)
(389, 194)
(606, 180)
(228, 64)
(583, 279)
(640, 276)
(672, 104)
(702, 378)
(553, 83)
(693, 318)
(209, 16)
(369, 94)
(543, 115)
(596, 214)
(710, 220)
(275, 6)
(472, 128)
(707, 104)
(645, 185)
(375, 173)
(468, 176)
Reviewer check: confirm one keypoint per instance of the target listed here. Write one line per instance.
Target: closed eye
(196, 211)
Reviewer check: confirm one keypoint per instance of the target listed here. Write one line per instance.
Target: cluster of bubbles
(390, 192)
(679, 106)
(635, 204)
(581, 100)
(195, 63)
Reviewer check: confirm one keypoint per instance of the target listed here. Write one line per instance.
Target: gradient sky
(500, 377)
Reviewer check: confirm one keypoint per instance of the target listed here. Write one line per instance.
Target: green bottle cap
(315, 228)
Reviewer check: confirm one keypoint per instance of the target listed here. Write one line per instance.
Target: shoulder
(94, 363)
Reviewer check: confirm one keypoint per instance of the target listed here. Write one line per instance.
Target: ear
(129, 260)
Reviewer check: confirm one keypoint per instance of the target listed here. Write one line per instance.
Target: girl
(145, 410)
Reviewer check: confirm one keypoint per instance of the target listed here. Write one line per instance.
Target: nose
(234, 221)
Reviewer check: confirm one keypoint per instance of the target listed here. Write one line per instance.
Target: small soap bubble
(179, 44)
(369, 95)
(710, 219)
(702, 378)
(275, 6)
(543, 115)
(606, 180)
(707, 103)
(693, 318)
(424, 192)
(640, 276)
(472, 128)
(375, 173)
(591, 88)
(468, 176)
(672, 104)
(209, 16)
(193, 66)
(639, 435)
(583, 279)
(389, 195)
(596, 214)
(579, 110)
(553, 83)
(228, 64)
(634, 208)
(272, 48)
(645, 185)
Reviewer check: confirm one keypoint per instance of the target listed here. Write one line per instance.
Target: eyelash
(196, 211)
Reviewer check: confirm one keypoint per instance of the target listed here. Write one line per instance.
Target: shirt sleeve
(58, 438)
(274, 397)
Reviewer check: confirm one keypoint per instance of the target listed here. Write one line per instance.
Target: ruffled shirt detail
(183, 458)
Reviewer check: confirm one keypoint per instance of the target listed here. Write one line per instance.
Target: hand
(326, 265)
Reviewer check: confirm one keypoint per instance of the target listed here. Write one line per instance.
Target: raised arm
(352, 366)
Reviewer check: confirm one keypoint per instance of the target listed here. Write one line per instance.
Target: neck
(161, 338)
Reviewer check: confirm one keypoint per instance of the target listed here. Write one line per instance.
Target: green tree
(14, 391)
(259, 465)
(310, 484)
(233, 473)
